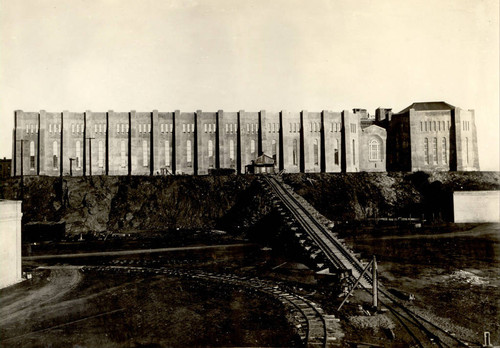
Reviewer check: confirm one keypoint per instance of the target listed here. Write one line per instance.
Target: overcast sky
(250, 55)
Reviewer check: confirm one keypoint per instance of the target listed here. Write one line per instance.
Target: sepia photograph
(220, 173)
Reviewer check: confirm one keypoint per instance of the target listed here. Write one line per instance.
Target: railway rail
(314, 327)
(423, 331)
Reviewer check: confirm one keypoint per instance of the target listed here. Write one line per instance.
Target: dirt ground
(65, 307)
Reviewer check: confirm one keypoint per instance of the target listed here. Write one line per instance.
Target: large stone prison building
(194, 143)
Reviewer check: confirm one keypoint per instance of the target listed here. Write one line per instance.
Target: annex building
(195, 143)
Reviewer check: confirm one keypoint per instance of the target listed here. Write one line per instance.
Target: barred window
(467, 149)
(316, 152)
(231, 149)
(210, 148)
(100, 156)
(144, 153)
(55, 162)
(188, 151)
(426, 150)
(167, 153)
(32, 155)
(435, 150)
(77, 153)
(353, 151)
(444, 151)
(123, 154)
(273, 150)
(294, 152)
(336, 152)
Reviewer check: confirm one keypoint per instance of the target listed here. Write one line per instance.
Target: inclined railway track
(338, 256)
(423, 331)
(312, 324)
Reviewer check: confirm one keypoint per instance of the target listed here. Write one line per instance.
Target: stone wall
(10, 242)
(476, 206)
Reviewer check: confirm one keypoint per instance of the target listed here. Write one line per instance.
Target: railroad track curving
(312, 324)
(423, 331)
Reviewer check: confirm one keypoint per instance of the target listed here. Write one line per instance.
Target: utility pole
(71, 166)
(375, 282)
(90, 154)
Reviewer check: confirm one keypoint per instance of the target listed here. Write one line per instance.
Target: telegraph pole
(90, 154)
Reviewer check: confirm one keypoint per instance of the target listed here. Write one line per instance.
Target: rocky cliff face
(158, 203)
(127, 204)
(360, 196)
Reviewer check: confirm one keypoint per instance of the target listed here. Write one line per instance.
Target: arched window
(144, 153)
(294, 152)
(188, 152)
(167, 153)
(316, 152)
(55, 163)
(231, 150)
(426, 150)
(100, 155)
(374, 150)
(444, 151)
(252, 146)
(210, 148)
(123, 154)
(77, 154)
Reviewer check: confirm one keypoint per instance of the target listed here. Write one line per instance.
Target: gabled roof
(372, 128)
(428, 106)
(264, 159)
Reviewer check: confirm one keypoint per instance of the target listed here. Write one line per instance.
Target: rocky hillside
(360, 196)
(128, 204)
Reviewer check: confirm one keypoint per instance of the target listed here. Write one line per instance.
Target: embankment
(159, 203)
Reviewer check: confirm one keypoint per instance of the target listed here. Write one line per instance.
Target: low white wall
(476, 206)
(10, 242)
